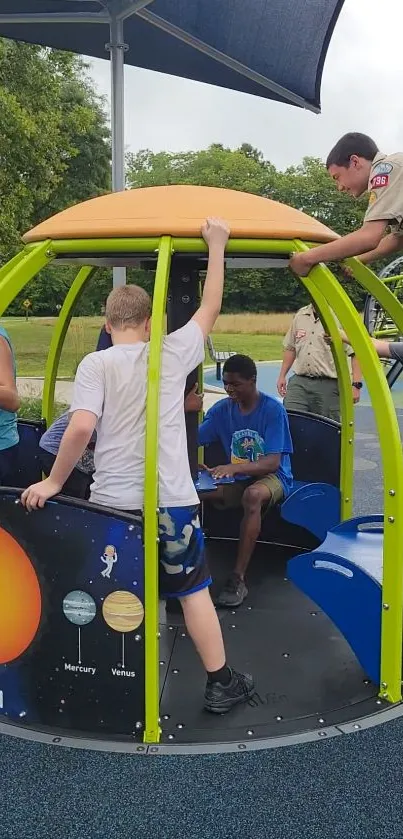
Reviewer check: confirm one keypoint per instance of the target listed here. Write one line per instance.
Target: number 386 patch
(379, 181)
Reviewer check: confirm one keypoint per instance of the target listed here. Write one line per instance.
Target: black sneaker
(220, 698)
(233, 593)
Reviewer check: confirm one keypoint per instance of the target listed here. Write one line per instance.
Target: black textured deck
(305, 673)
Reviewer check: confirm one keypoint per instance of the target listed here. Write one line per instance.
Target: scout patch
(380, 175)
(379, 181)
(372, 198)
(300, 333)
(383, 169)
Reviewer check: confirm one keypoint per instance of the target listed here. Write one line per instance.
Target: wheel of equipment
(379, 323)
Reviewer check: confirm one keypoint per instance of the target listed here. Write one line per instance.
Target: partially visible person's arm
(367, 238)
(208, 432)
(194, 401)
(216, 233)
(266, 465)
(86, 408)
(356, 377)
(9, 399)
(288, 361)
(74, 442)
(385, 349)
(389, 244)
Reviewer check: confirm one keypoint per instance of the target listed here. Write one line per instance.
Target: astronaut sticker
(109, 558)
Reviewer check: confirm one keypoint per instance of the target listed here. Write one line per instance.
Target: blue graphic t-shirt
(244, 437)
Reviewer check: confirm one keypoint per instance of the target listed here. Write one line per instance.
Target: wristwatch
(358, 385)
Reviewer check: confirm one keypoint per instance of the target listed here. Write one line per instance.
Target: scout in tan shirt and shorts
(357, 166)
(314, 387)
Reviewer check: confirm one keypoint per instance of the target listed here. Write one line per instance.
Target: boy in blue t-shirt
(254, 432)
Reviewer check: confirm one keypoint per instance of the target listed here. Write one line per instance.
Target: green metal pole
(392, 461)
(152, 729)
(57, 341)
(21, 271)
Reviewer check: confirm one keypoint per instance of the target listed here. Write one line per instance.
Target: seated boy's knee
(252, 499)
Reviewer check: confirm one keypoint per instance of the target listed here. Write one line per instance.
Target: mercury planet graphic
(79, 608)
(20, 599)
(123, 612)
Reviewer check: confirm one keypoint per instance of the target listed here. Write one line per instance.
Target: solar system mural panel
(71, 618)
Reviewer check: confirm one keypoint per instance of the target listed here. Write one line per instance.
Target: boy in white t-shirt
(110, 396)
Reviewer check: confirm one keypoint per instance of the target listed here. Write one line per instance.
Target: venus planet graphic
(122, 611)
(20, 599)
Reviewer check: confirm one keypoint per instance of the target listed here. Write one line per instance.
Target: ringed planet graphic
(122, 611)
(79, 607)
(20, 599)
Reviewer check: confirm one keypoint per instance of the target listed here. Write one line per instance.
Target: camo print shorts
(183, 568)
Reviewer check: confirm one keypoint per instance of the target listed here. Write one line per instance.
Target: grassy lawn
(259, 336)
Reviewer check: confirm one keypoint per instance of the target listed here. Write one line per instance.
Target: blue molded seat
(344, 577)
(315, 506)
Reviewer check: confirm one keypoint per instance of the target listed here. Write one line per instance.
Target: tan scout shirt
(313, 355)
(385, 188)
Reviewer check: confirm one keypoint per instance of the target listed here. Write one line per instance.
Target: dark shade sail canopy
(270, 48)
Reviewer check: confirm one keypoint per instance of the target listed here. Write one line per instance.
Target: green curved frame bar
(59, 333)
(152, 729)
(329, 297)
(21, 270)
(346, 395)
(392, 460)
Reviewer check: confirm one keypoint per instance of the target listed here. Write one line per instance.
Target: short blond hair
(127, 306)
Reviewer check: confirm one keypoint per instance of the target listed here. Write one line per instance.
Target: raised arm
(216, 233)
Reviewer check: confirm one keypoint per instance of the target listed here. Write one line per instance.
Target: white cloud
(361, 91)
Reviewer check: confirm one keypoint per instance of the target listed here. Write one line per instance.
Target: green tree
(215, 166)
(54, 145)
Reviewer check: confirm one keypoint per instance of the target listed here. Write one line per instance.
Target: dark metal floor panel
(305, 673)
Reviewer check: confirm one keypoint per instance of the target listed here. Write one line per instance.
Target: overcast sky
(361, 91)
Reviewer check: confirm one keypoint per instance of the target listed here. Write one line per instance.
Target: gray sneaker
(233, 593)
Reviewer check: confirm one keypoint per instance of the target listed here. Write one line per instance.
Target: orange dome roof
(179, 211)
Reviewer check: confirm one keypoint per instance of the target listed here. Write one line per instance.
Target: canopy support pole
(117, 49)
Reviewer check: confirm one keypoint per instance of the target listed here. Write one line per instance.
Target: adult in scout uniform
(314, 387)
(357, 166)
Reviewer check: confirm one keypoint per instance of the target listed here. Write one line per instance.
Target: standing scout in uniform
(314, 387)
(357, 166)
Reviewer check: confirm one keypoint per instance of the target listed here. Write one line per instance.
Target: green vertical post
(57, 341)
(152, 729)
